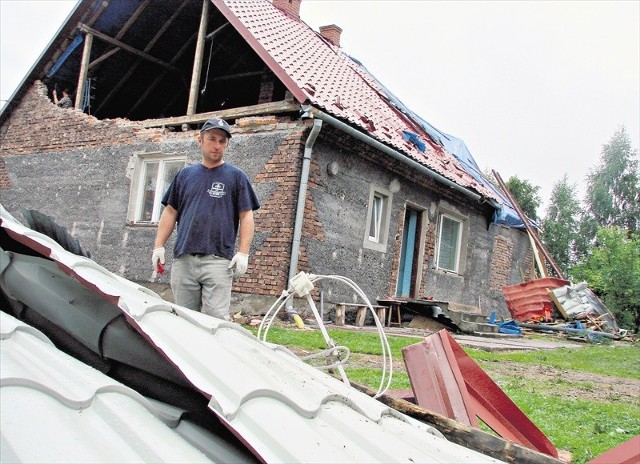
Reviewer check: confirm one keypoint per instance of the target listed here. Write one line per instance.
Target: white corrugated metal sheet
(282, 408)
(54, 408)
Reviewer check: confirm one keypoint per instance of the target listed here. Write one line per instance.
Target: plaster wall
(79, 171)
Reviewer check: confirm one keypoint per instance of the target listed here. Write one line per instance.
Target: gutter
(316, 113)
(302, 196)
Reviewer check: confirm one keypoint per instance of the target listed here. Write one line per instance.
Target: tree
(613, 190)
(561, 224)
(526, 195)
(612, 271)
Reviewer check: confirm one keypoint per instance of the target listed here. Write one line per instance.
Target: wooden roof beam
(86, 29)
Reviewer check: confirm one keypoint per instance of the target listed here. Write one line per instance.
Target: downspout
(315, 113)
(302, 196)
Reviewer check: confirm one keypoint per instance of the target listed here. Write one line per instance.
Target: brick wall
(501, 259)
(37, 125)
(275, 218)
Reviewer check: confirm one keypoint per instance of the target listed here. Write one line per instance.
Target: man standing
(65, 101)
(212, 203)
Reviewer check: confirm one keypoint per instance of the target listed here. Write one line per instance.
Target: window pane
(149, 190)
(170, 170)
(448, 250)
(376, 218)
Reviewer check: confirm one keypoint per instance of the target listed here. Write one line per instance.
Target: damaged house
(351, 181)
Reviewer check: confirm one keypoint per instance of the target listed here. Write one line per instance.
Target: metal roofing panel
(333, 81)
(530, 301)
(57, 409)
(282, 408)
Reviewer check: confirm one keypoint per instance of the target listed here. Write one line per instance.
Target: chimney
(291, 7)
(331, 33)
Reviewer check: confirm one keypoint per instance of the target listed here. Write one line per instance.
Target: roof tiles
(327, 78)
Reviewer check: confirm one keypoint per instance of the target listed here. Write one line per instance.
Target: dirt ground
(574, 384)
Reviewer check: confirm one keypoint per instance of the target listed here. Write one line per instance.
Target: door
(408, 267)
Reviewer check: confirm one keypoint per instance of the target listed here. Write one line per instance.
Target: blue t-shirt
(208, 202)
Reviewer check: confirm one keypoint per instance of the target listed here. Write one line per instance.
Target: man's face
(213, 143)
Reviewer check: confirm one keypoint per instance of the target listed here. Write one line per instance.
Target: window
(449, 243)
(152, 175)
(378, 219)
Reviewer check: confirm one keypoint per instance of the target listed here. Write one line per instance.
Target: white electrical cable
(387, 361)
(384, 343)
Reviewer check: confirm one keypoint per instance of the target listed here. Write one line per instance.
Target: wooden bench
(361, 312)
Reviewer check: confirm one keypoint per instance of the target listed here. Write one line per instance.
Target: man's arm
(246, 231)
(166, 225)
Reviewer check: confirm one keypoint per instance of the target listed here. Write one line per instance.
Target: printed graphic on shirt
(217, 190)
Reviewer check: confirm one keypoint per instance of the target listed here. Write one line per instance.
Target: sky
(535, 89)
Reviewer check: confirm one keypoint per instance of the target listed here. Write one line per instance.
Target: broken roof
(142, 59)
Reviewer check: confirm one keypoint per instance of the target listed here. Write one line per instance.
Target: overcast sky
(533, 88)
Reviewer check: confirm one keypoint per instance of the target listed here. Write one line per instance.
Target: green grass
(615, 360)
(358, 342)
(585, 428)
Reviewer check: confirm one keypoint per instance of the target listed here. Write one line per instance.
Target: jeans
(203, 283)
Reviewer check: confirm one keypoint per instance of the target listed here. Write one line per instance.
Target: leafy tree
(613, 190)
(561, 224)
(612, 271)
(526, 195)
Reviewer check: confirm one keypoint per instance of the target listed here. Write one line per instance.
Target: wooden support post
(197, 61)
(84, 70)
(381, 312)
(361, 313)
(340, 310)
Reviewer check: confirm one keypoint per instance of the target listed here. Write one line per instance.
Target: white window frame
(458, 265)
(137, 195)
(378, 217)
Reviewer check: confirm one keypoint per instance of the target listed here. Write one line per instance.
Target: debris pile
(556, 305)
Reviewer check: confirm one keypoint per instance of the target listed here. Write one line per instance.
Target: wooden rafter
(149, 46)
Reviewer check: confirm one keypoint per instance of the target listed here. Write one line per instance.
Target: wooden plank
(284, 106)
(463, 434)
(530, 231)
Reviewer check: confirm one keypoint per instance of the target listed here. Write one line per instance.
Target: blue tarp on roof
(505, 214)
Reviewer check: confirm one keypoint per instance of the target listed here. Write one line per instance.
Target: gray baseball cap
(216, 123)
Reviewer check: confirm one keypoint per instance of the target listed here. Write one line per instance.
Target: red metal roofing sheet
(445, 378)
(322, 74)
(529, 301)
(625, 453)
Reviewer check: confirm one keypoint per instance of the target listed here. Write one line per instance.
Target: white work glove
(240, 261)
(157, 260)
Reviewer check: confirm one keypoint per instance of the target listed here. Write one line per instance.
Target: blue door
(405, 274)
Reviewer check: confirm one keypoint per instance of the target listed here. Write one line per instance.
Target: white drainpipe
(302, 196)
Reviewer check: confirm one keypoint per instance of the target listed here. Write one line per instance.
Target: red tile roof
(321, 74)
